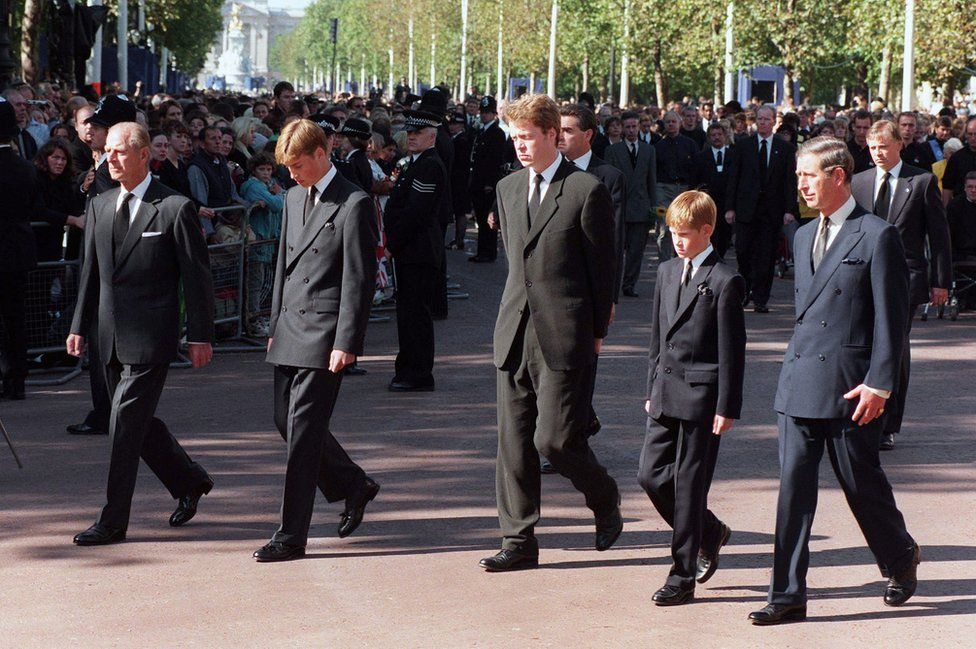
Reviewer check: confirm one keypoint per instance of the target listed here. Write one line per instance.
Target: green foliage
(186, 27)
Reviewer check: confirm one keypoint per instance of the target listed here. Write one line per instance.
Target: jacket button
(796, 290)
(800, 321)
(822, 357)
(291, 248)
(315, 251)
(670, 345)
(301, 311)
(837, 291)
(796, 354)
(305, 280)
(667, 370)
(823, 323)
(287, 278)
(283, 309)
(528, 283)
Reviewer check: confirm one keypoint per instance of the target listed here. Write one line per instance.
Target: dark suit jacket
(745, 187)
(850, 318)
(698, 347)
(418, 207)
(19, 189)
(613, 179)
(460, 172)
(487, 161)
(640, 180)
(709, 179)
(137, 296)
(324, 277)
(356, 168)
(918, 214)
(562, 268)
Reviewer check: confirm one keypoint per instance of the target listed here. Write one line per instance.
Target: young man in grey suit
(141, 242)
(557, 225)
(840, 368)
(321, 300)
(909, 199)
(637, 160)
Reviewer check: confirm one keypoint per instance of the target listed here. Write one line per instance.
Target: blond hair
(691, 209)
(298, 138)
(538, 110)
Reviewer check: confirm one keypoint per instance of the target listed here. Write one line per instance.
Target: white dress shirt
(892, 182)
(698, 260)
(769, 145)
(725, 153)
(547, 175)
(583, 162)
(135, 202)
(323, 182)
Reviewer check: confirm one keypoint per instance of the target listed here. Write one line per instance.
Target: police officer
(487, 168)
(419, 203)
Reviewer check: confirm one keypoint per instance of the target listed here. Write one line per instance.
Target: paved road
(409, 576)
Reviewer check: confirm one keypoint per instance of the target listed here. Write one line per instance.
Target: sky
(289, 4)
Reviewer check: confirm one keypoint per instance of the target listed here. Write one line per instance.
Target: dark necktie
(120, 227)
(633, 154)
(820, 243)
(683, 286)
(309, 204)
(763, 160)
(718, 158)
(536, 199)
(882, 204)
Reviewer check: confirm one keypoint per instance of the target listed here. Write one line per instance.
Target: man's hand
(339, 359)
(76, 221)
(730, 217)
(492, 221)
(869, 407)
(75, 345)
(788, 218)
(647, 406)
(613, 312)
(721, 424)
(200, 354)
(270, 339)
(89, 177)
(206, 212)
(939, 296)
(597, 345)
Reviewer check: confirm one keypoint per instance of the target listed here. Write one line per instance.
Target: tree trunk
(613, 69)
(787, 99)
(884, 74)
(586, 73)
(30, 40)
(718, 81)
(660, 81)
(861, 79)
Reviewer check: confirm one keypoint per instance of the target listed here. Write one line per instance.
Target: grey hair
(830, 153)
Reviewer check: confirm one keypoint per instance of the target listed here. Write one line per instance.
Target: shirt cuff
(884, 394)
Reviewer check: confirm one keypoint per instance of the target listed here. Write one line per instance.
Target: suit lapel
(326, 207)
(900, 199)
(850, 233)
(105, 216)
(143, 218)
(550, 203)
(669, 293)
(690, 294)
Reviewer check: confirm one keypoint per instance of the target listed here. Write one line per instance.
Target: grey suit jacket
(641, 180)
(137, 295)
(917, 212)
(850, 318)
(562, 267)
(325, 276)
(613, 179)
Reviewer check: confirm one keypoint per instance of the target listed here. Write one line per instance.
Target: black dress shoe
(410, 386)
(353, 370)
(85, 429)
(546, 467)
(760, 308)
(901, 587)
(778, 614)
(507, 560)
(708, 559)
(629, 292)
(608, 529)
(356, 507)
(187, 507)
(99, 534)
(277, 551)
(673, 595)
(887, 442)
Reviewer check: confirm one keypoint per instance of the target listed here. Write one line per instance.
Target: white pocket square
(150, 234)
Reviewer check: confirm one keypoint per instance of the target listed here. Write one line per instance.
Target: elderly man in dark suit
(760, 199)
(18, 186)
(638, 163)
(908, 198)
(142, 241)
(840, 369)
(321, 300)
(557, 225)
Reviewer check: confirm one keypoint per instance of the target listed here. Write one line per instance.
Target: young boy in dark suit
(694, 391)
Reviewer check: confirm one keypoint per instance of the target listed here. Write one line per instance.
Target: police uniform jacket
(419, 203)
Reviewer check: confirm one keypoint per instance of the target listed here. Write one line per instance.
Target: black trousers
(438, 303)
(542, 411)
(136, 432)
(676, 468)
(722, 236)
(13, 313)
(303, 403)
(853, 452)
(415, 284)
(895, 408)
(101, 395)
(487, 237)
(755, 250)
(635, 241)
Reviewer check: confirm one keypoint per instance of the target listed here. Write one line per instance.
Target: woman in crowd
(614, 129)
(158, 150)
(265, 222)
(241, 150)
(62, 202)
(172, 171)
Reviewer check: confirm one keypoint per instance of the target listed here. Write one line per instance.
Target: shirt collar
(324, 181)
(140, 190)
(769, 139)
(714, 150)
(583, 162)
(700, 258)
(895, 171)
(550, 171)
(841, 214)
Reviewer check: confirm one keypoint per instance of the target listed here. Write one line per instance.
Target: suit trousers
(542, 411)
(487, 237)
(303, 403)
(635, 241)
(438, 299)
(676, 468)
(853, 452)
(136, 432)
(415, 284)
(895, 408)
(13, 315)
(755, 251)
